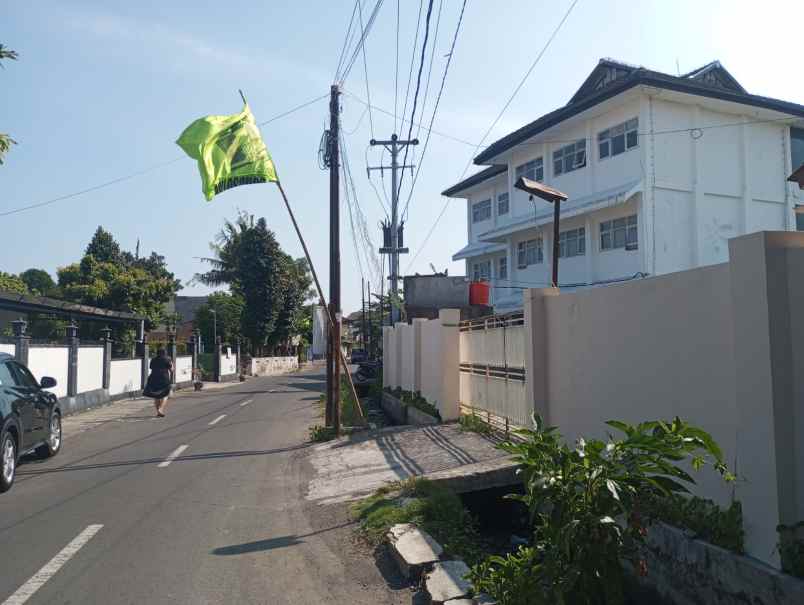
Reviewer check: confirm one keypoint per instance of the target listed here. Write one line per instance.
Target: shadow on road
(189, 458)
(272, 543)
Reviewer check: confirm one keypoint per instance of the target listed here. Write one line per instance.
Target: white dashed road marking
(217, 420)
(245, 403)
(27, 590)
(172, 456)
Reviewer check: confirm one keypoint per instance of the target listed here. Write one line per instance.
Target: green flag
(229, 150)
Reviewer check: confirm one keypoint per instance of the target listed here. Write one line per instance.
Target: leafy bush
(433, 508)
(791, 549)
(470, 422)
(588, 508)
(320, 434)
(414, 400)
(706, 519)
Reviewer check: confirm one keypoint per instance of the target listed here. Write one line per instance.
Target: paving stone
(447, 581)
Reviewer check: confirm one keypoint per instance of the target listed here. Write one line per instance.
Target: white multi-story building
(660, 171)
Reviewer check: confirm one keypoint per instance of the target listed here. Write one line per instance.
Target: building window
(619, 233)
(481, 211)
(797, 147)
(618, 139)
(502, 204)
(570, 157)
(572, 243)
(502, 267)
(529, 253)
(481, 271)
(533, 170)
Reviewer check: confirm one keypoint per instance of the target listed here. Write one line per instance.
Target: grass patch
(414, 400)
(475, 424)
(433, 508)
(319, 434)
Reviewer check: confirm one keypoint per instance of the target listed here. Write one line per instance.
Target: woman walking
(159, 381)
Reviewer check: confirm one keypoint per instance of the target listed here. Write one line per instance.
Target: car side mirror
(47, 382)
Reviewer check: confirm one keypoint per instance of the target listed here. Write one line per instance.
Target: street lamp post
(555, 197)
(214, 326)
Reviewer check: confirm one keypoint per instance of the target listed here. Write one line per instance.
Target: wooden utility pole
(334, 341)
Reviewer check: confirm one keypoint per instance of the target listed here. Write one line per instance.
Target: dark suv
(30, 418)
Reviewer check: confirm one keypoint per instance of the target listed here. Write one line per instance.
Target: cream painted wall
(50, 361)
(125, 376)
(228, 363)
(183, 369)
(90, 369)
(8, 348)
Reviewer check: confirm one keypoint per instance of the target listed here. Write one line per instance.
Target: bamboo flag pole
(321, 296)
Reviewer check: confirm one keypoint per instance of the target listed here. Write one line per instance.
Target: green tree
(5, 140)
(104, 248)
(226, 320)
(249, 260)
(38, 281)
(12, 283)
(296, 289)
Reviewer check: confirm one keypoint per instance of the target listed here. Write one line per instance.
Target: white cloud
(182, 50)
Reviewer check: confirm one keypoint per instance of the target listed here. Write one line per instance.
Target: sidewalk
(352, 467)
(139, 409)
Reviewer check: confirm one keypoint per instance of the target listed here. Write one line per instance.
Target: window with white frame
(481, 211)
(570, 157)
(502, 267)
(618, 139)
(533, 170)
(481, 271)
(529, 253)
(572, 243)
(619, 233)
(502, 204)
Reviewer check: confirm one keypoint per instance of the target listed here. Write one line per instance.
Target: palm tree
(6, 141)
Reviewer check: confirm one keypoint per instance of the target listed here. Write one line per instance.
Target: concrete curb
(401, 413)
(420, 559)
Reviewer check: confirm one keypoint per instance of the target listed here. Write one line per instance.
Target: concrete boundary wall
(272, 366)
(125, 376)
(183, 370)
(423, 357)
(50, 361)
(90, 368)
(720, 346)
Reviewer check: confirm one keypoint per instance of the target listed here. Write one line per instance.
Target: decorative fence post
(142, 352)
(107, 356)
(72, 359)
(216, 361)
(238, 358)
(172, 350)
(22, 340)
(192, 347)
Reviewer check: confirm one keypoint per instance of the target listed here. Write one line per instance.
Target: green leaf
(612, 487)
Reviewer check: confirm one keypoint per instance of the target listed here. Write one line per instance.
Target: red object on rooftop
(479, 293)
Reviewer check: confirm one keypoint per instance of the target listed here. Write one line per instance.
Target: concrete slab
(413, 549)
(447, 582)
(353, 467)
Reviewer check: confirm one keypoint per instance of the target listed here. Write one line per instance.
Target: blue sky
(103, 89)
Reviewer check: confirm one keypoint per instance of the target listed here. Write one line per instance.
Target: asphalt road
(204, 506)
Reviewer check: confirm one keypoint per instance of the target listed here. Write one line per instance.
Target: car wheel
(52, 446)
(8, 461)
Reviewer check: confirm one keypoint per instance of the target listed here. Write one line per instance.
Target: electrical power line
(145, 170)
(361, 41)
(435, 109)
(497, 119)
(405, 120)
(365, 71)
(396, 76)
(413, 57)
(418, 87)
(346, 42)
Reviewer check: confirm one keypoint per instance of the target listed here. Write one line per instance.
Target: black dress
(158, 385)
